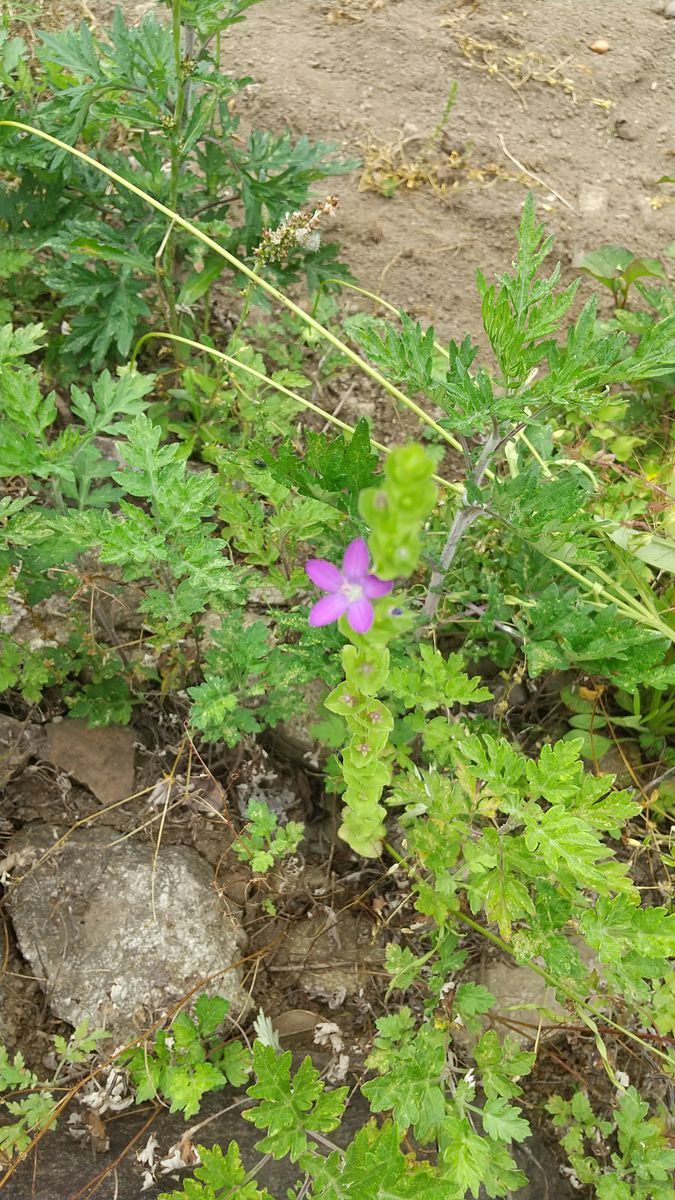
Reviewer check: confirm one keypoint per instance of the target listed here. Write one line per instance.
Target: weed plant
(543, 557)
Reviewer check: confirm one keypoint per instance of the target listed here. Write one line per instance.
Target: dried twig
(537, 178)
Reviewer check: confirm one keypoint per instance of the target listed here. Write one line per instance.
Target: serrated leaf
(185, 1087)
(504, 1121)
(471, 1000)
(332, 469)
(289, 1105)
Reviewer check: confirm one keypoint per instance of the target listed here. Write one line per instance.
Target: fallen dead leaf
(296, 1021)
(100, 1141)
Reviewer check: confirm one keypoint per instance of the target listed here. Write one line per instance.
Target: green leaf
(290, 1105)
(409, 1082)
(591, 745)
(402, 965)
(466, 1156)
(556, 776)
(501, 1064)
(432, 681)
(522, 314)
(19, 343)
(470, 1001)
(111, 399)
(222, 1175)
(504, 1121)
(374, 1167)
(333, 469)
(606, 264)
(210, 1012)
(109, 306)
(73, 49)
(235, 1063)
(658, 552)
(569, 847)
(185, 1087)
(200, 282)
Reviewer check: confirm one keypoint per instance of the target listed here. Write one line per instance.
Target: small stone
(600, 47)
(593, 202)
(518, 696)
(644, 208)
(292, 738)
(118, 938)
(556, 131)
(624, 130)
(519, 992)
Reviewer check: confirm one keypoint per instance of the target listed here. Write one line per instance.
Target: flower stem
(464, 517)
(175, 163)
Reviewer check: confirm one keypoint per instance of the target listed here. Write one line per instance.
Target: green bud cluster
(395, 512)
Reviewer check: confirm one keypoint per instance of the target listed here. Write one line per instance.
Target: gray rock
(292, 739)
(625, 130)
(520, 996)
(84, 920)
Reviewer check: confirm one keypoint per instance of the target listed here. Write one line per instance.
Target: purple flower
(351, 589)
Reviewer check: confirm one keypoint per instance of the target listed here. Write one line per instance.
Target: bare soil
(595, 128)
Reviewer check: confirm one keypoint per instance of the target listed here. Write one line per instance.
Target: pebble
(593, 201)
(556, 131)
(624, 130)
(644, 208)
(600, 47)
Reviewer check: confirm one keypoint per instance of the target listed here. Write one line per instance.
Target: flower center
(353, 591)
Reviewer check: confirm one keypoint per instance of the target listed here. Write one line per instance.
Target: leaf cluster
(265, 841)
(642, 1161)
(248, 684)
(189, 1059)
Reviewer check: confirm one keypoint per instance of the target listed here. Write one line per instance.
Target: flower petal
(355, 561)
(328, 609)
(374, 587)
(324, 574)
(360, 615)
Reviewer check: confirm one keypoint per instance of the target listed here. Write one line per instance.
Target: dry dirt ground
(595, 128)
